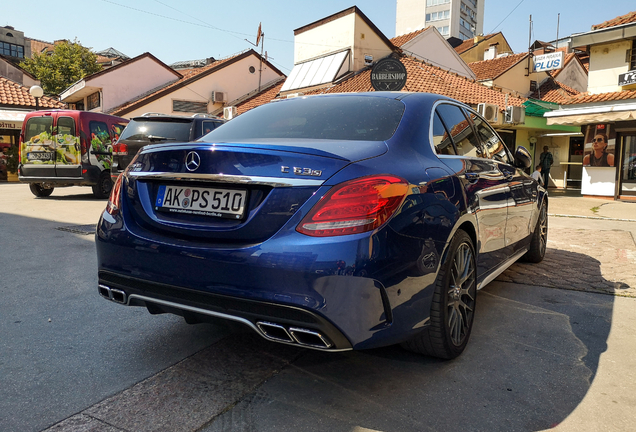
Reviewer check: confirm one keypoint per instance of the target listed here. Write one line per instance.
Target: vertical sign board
(548, 62)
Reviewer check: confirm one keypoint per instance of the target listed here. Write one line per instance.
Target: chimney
(209, 60)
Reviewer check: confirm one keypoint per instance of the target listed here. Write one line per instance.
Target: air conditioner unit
(218, 97)
(229, 112)
(515, 114)
(489, 111)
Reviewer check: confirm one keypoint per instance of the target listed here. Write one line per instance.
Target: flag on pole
(258, 36)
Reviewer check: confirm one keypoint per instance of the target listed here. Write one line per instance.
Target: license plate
(222, 203)
(40, 156)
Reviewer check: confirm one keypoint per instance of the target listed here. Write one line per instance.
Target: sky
(179, 30)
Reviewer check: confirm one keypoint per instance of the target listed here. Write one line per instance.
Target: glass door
(628, 166)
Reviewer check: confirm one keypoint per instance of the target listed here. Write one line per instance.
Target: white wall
(128, 82)
(598, 181)
(607, 62)
(234, 79)
(573, 75)
(434, 49)
(327, 38)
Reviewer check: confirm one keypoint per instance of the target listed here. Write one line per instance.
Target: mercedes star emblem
(192, 161)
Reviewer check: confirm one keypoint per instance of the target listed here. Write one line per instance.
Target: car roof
(160, 116)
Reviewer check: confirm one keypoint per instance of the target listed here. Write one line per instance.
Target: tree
(58, 69)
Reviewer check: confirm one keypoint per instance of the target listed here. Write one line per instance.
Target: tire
(539, 240)
(39, 191)
(104, 185)
(453, 306)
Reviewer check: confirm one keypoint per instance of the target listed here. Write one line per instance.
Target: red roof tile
(425, 78)
(491, 69)
(262, 98)
(398, 41)
(623, 19)
(601, 97)
(470, 43)
(189, 76)
(12, 94)
(554, 91)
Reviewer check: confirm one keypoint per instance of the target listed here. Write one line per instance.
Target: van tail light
(355, 206)
(120, 149)
(114, 201)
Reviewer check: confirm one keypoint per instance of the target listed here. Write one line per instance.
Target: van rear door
(38, 147)
(68, 160)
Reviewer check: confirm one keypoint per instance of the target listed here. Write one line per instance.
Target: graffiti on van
(48, 148)
(100, 145)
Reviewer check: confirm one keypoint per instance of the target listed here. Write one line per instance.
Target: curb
(592, 217)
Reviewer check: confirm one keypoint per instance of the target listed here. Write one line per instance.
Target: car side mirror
(522, 158)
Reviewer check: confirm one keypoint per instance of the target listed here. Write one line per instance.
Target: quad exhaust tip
(116, 295)
(294, 335)
(272, 331)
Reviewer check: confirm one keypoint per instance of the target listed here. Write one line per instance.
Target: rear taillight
(355, 206)
(114, 201)
(120, 149)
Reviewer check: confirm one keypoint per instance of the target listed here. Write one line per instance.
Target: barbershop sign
(388, 74)
(627, 78)
(548, 62)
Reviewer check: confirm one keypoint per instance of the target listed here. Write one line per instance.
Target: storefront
(609, 147)
(10, 127)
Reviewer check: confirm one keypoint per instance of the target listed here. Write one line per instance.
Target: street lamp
(37, 92)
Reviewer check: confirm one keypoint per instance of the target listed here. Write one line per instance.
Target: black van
(152, 128)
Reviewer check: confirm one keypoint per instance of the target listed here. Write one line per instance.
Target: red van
(68, 148)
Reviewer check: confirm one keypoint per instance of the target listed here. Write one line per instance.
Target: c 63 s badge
(301, 171)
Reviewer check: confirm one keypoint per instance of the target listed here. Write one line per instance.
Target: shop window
(631, 54)
(92, 101)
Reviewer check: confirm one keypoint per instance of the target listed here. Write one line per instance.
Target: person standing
(546, 160)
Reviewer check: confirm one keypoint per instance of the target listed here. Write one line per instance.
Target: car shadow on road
(531, 359)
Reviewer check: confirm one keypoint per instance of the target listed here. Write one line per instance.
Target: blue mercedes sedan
(331, 222)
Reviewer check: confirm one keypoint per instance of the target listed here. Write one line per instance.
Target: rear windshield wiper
(160, 138)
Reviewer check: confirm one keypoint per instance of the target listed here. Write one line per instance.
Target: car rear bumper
(343, 289)
(276, 322)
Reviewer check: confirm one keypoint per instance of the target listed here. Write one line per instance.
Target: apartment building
(462, 19)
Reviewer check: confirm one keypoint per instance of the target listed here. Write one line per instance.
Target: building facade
(463, 19)
(606, 113)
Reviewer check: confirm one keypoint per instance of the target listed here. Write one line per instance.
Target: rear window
(357, 118)
(142, 130)
(37, 125)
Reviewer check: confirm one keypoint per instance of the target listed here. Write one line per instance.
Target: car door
(38, 146)
(68, 152)
(523, 194)
(485, 188)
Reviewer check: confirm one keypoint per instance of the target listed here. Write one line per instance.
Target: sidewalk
(570, 203)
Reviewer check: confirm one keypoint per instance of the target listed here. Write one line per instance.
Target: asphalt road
(539, 356)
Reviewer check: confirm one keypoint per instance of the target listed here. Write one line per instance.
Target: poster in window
(600, 145)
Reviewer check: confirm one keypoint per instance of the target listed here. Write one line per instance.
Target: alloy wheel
(461, 294)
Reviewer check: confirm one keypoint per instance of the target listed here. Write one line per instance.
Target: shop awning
(12, 116)
(582, 119)
(588, 115)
